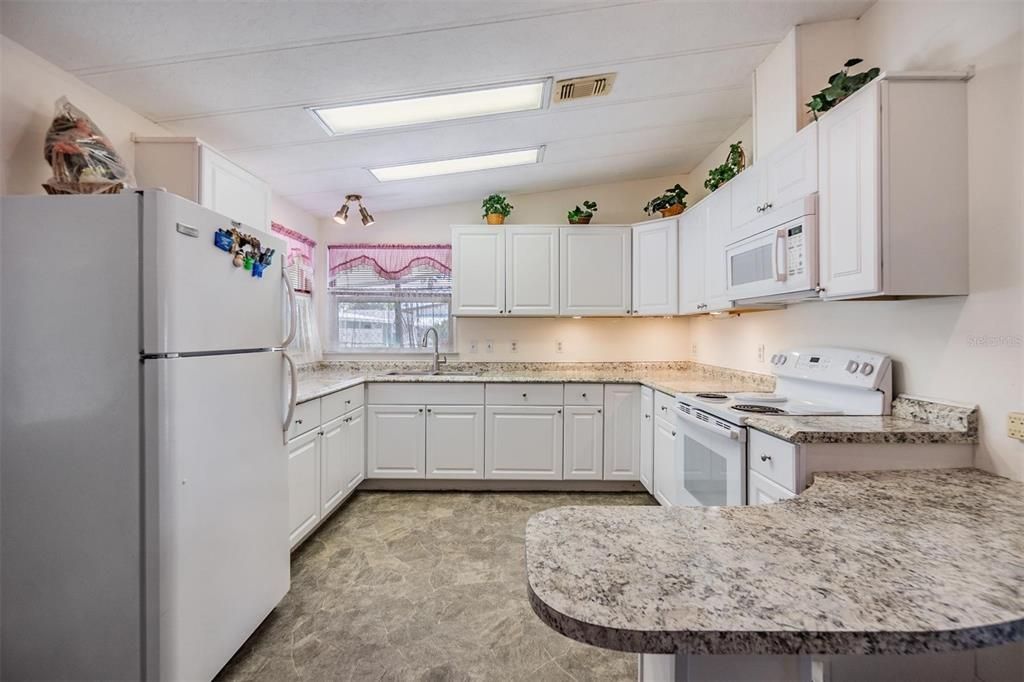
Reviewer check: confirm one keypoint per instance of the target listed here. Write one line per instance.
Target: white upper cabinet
(190, 168)
(656, 267)
(718, 219)
(692, 260)
(594, 270)
(789, 173)
(478, 270)
(884, 230)
(531, 267)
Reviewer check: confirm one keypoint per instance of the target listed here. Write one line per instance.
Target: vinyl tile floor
(422, 586)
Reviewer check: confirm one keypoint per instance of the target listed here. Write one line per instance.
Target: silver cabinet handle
(599, 410)
(765, 458)
(421, 410)
(524, 396)
(583, 395)
(559, 411)
(664, 409)
(673, 434)
(429, 410)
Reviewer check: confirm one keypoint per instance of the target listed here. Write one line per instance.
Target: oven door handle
(780, 273)
(731, 432)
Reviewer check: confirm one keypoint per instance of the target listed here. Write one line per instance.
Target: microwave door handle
(780, 273)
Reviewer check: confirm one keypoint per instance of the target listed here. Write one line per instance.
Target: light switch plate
(1015, 425)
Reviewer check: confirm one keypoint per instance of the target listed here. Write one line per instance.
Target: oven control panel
(844, 366)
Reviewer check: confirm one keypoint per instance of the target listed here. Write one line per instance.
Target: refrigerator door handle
(293, 317)
(292, 395)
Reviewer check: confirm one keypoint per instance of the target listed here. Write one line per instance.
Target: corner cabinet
(656, 267)
(192, 169)
(594, 271)
(884, 230)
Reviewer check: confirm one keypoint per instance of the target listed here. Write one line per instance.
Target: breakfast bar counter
(897, 562)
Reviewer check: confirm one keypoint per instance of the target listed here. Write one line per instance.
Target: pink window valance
(389, 261)
(299, 258)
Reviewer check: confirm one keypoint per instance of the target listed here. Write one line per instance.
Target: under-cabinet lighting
(395, 113)
(465, 164)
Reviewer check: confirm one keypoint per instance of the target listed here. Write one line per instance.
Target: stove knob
(867, 368)
(852, 366)
(782, 358)
(775, 359)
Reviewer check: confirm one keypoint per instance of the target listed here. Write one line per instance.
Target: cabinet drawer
(337, 404)
(306, 418)
(760, 490)
(664, 404)
(425, 393)
(524, 394)
(773, 458)
(583, 394)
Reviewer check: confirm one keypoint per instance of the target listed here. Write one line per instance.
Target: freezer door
(218, 470)
(194, 299)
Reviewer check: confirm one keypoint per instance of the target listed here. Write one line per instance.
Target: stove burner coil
(712, 396)
(758, 409)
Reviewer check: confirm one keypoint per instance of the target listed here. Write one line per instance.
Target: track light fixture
(341, 217)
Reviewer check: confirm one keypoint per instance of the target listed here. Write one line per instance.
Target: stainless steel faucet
(436, 367)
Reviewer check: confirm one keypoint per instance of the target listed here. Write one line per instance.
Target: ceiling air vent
(587, 86)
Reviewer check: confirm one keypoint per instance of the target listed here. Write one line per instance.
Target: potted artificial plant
(840, 86)
(496, 209)
(735, 162)
(582, 216)
(671, 203)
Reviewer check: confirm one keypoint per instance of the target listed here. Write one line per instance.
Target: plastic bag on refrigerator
(82, 158)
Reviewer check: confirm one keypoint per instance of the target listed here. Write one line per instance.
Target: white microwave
(780, 262)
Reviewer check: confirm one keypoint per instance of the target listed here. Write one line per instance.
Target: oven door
(780, 260)
(711, 461)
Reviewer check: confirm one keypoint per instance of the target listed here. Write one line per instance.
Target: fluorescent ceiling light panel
(465, 164)
(418, 110)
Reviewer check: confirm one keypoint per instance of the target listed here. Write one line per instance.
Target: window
(383, 298)
(298, 265)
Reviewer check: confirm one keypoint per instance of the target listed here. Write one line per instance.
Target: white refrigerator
(143, 477)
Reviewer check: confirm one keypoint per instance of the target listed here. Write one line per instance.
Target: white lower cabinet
(395, 441)
(303, 486)
(455, 441)
(523, 443)
(664, 461)
(621, 432)
(325, 464)
(583, 452)
(646, 426)
(761, 490)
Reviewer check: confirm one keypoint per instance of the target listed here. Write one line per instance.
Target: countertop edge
(810, 436)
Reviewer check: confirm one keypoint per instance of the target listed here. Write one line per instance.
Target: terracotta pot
(495, 219)
(583, 220)
(674, 209)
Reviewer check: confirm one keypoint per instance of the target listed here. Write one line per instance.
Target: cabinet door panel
(478, 270)
(354, 460)
(583, 451)
(664, 462)
(760, 490)
(523, 443)
(455, 441)
(792, 169)
(232, 191)
(748, 191)
(594, 272)
(622, 432)
(332, 465)
(396, 441)
(849, 226)
(531, 266)
(303, 486)
(656, 268)
(647, 438)
(692, 259)
(718, 215)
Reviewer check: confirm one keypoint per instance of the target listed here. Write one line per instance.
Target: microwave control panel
(795, 251)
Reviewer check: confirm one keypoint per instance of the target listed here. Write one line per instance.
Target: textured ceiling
(239, 75)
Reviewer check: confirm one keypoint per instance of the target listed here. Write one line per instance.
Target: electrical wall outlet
(693, 349)
(515, 346)
(1015, 425)
(559, 347)
(760, 352)
(489, 346)
(474, 346)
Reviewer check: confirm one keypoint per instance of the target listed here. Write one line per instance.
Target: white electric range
(711, 450)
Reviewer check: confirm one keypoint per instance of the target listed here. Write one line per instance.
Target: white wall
(584, 340)
(967, 349)
(29, 87)
(744, 134)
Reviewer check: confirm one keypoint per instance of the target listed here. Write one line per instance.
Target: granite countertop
(669, 378)
(913, 420)
(896, 562)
